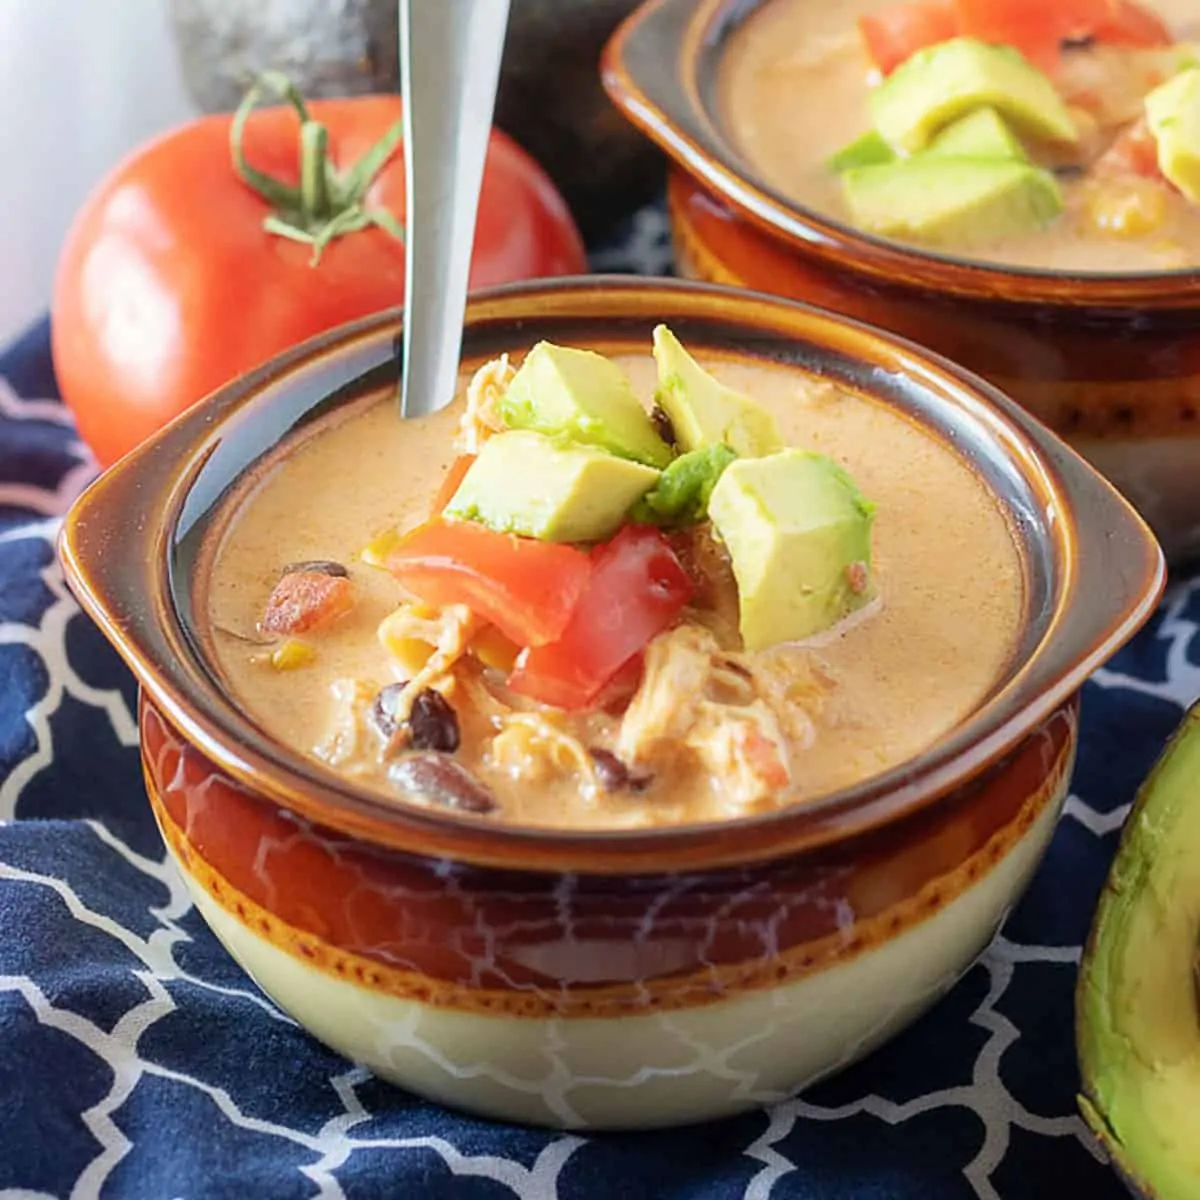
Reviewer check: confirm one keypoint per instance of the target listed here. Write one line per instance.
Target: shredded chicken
(349, 744)
(447, 631)
(484, 393)
(732, 715)
(532, 746)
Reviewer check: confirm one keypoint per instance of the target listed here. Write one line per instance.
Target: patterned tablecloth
(138, 1061)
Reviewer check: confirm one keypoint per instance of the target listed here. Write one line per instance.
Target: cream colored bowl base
(642, 1071)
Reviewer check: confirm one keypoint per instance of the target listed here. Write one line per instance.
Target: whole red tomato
(178, 275)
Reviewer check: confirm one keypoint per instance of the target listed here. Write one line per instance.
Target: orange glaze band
(488, 941)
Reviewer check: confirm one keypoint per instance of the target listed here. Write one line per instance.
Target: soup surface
(861, 697)
(794, 90)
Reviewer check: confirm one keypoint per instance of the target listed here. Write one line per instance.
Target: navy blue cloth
(138, 1061)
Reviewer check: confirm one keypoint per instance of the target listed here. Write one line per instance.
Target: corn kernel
(1127, 208)
(375, 552)
(494, 650)
(292, 654)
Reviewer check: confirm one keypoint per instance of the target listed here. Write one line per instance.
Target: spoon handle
(450, 54)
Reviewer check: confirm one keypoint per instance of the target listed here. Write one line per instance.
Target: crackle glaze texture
(441, 974)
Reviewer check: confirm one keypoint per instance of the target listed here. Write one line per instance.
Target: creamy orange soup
(864, 696)
(794, 91)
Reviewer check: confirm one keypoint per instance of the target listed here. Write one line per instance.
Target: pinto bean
(434, 723)
(382, 713)
(614, 775)
(663, 425)
(320, 566)
(437, 779)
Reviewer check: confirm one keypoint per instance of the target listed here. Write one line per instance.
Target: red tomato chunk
(636, 589)
(303, 601)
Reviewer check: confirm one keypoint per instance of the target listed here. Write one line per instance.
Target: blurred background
(81, 83)
(84, 81)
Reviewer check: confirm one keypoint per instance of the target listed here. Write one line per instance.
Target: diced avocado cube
(541, 487)
(864, 151)
(798, 532)
(1173, 112)
(583, 396)
(704, 412)
(954, 202)
(942, 83)
(982, 134)
(681, 495)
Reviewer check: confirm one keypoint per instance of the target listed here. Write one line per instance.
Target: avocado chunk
(1137, 1015)
(1173, 112)
(798, 533)
(583, 396)
(864, 151)
(951, 201)
(704, 412)
(527, 483)
(982, 134)
(682, 493)
(942, 83)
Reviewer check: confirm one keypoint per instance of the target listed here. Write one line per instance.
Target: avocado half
(1137, 1008)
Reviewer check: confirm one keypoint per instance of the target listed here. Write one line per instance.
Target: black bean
(664, 427)
(319, 566)
(382, 713)
(614, 775)
(433, 723)
(438, 779)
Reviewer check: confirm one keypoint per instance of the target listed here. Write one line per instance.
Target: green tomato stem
(326, 205)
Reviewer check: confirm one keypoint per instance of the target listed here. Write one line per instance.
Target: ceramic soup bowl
(607, 979)
(1110, 362)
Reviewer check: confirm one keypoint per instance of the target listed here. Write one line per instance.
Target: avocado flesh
(704, 412)
(868, 150)
(943, 83)
(1138, 1021)
(581, 395)
(951, 201)
(1173, 113)
(798, 534)
(535, 486)
(982, 134)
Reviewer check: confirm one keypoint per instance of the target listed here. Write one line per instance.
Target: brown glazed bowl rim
(659, 69)
(1093, 570)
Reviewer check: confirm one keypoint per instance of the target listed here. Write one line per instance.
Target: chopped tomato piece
(528, 589)
(615, 695)
(1035, 27)
(1135, 152)
(1132, 24)
(306, 600)
(636, 588)
(763, 758)
(454, 476)
(897, 33)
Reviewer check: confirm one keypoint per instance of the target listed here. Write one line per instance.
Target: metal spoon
(450, 70)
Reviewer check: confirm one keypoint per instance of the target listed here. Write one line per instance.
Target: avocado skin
(551, 100)
(1103, 1055)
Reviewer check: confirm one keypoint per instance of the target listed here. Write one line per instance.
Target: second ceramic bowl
(1112, 363)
